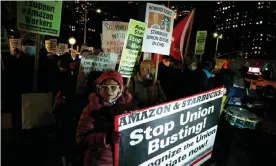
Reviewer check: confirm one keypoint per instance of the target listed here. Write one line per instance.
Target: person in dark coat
(188, 77)
(48, 73)
(95, 130)
(165, 75)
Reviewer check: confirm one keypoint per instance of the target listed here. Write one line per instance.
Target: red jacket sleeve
(85, 135)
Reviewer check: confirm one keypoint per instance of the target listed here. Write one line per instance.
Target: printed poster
(200, 42)
(158, 33)
(132, 47)
(53, 45)
(42, 17)
(14, 43)
(92, 62)
(62, 48)
(177, 133)
(113, 36)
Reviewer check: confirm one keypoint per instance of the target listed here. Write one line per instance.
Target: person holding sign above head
(142, 86)
(95, 129)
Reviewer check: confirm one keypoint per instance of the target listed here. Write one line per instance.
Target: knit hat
(112, 74)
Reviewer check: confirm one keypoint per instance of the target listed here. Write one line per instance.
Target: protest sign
(41, 17)
(177, 133)
(47, 45)
(200, 42)
(132, 47)
(62, 48)
(53, 45)
(158, 33)
(92, 62)
(113, 36)
(14, 43)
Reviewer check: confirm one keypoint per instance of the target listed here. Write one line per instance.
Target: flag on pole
(180, 37)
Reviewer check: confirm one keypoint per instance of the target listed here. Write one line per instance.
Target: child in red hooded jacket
(95, 129)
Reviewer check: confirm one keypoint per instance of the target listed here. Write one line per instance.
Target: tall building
(246, 27)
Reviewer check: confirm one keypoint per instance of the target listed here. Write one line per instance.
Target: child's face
(109, 89)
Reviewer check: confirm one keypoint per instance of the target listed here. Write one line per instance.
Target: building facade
(248, 28)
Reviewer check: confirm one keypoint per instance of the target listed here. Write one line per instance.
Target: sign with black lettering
(177, 133)
(132, 47)
(158, 33)
(39, 17)
(94, 62)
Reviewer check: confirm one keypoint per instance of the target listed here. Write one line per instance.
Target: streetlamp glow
(72, 40)
(215, 34)
(98, 11)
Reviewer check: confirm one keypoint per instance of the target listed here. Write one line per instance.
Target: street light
(72, 41)
(98, 11)
(218, 36)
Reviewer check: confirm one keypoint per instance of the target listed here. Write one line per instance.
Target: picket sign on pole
(156, 67)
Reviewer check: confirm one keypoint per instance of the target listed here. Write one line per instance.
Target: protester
(188, 78)
(95, 130)
(48, 73)
(165, 75)
(203, 76)
(142, 87)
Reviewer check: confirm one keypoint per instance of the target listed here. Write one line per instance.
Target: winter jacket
(95, 127)
(142, 93)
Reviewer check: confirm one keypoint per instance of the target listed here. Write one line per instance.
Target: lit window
(222, 12)
(259, 3)
(257, 22)
(259, 52)
(252, 48)
(261, 39)
(259, 48)
(255, 52)
(244, 24)
(261, 34)
(238, 13)
(218, 3)
(256, 47)
(218, 28)
(261, 22)
(228, 7)
(226, 19)
(214, 16)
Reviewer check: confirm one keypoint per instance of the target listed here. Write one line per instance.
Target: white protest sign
(62, 48)
(158, 33)
(91, 62)
(53, 45)
(113, 38)
(14, 43)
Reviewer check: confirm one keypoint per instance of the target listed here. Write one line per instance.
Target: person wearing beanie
(95, 130)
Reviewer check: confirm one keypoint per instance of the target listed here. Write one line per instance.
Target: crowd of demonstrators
(105, 98)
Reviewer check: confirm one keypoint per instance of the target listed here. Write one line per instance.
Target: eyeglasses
(112, 87)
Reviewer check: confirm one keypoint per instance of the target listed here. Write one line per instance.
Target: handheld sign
(93, 62)
(113, 36)
(39, 17)
(177, 133)
(159, 28)
(132, 47)
(200, 42)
